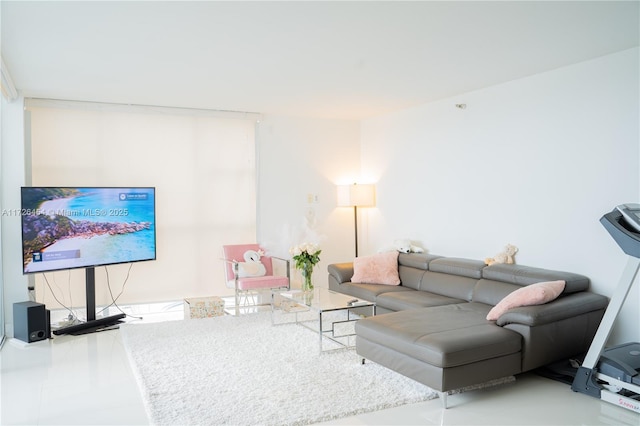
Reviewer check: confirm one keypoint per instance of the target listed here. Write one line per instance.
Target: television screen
(65, 228)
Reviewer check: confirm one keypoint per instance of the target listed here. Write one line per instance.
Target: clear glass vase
(307, 271)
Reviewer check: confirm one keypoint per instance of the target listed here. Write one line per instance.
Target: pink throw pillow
(534, 294)
(381, 268)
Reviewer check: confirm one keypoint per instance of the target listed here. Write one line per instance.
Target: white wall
(534, 162)
(299, 157)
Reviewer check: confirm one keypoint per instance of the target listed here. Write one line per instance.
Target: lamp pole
(355, 225)
(353, 196)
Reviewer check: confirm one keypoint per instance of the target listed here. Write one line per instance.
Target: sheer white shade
(357, 195)
(197, 161)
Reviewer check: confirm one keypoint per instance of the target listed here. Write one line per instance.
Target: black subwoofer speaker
(30, 321)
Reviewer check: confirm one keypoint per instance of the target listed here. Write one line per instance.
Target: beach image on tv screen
(64, 228)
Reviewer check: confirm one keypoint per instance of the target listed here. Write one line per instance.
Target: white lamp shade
(357, 195)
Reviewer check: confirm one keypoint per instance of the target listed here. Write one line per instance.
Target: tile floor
(87, 380)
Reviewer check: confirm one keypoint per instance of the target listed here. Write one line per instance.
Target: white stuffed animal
(251, 267)
(404, 246)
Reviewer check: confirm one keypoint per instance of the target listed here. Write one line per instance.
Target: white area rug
(244, 371)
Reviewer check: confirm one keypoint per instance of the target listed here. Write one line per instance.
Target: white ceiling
(346, 60)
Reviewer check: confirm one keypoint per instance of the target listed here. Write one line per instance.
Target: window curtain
(202, 164)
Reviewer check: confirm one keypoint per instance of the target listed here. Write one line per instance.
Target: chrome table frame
(322, 301)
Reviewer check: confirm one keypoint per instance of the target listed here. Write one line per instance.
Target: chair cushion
(251, 283)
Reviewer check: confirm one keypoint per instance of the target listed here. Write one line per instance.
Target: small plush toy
(403, 246)
(251, 267)
(506, 256)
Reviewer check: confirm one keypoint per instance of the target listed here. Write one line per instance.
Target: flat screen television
(86, 227)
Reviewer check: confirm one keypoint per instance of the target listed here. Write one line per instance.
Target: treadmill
(613, 374)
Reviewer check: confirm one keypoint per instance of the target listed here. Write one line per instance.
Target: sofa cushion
(410, 277)
(416, 260)
(380, 268)
(401, 300)
(534, 294)
(452, 277)
(492, 292)
(455, 286)
(525, 275)
(370, 292)
(443, 336)
(456, 266)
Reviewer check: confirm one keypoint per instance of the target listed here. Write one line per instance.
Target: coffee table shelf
(321, 301)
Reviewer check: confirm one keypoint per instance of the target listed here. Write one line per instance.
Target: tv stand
(92, 325)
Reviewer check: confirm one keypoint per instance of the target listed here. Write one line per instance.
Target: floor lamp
(356, 196)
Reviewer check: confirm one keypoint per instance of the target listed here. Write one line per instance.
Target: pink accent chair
(246, 277)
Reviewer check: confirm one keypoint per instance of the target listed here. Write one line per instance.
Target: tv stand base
(92, 326)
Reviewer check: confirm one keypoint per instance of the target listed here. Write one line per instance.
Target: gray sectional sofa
(433, 327)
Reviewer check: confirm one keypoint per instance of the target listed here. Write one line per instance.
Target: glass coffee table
(334, 314)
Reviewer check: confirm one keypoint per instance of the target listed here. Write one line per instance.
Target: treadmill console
(623, 223)
(631, 214)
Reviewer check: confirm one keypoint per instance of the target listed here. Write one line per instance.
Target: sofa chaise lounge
(433, 326)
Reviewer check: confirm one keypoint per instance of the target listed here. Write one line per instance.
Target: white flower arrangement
(306, 256)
